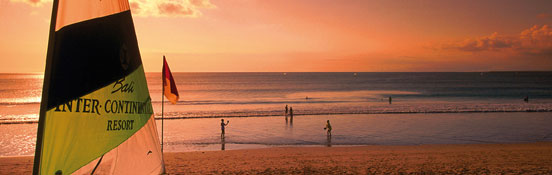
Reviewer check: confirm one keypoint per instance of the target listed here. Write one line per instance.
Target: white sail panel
(73, 11)
(140, 154)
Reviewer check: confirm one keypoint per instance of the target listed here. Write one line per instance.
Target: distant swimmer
(222, 127)
(328, 128)
(526, 99)
(390, 99)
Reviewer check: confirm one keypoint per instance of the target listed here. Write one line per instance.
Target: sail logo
(116, 125)
(84, 105)
(123, 87)
(124, 57)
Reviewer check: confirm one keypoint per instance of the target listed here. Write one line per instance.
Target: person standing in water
(328, 128)
(291, 113)
(286, 114)
(222, 127)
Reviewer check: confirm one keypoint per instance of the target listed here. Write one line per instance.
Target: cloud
(486, 43)
(536, 40)
(34, 3)
(169, 8)
(176, 9)
(156, 8)
(202, 3)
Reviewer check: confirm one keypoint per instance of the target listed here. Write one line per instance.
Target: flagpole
(162, 102)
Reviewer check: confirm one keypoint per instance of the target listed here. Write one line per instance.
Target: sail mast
(45, 89)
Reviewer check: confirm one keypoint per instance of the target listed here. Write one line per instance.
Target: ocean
(257, 100)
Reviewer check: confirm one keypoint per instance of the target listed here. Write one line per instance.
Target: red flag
(168, 83)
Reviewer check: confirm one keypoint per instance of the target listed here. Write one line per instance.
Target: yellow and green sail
(95, 100)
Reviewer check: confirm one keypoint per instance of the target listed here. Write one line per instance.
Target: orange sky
(310, 35)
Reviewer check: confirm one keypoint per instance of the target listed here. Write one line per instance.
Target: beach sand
(526, 158)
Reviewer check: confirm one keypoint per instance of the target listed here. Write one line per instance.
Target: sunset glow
(310, 35)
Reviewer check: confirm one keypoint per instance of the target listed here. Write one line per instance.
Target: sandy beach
(526, 158)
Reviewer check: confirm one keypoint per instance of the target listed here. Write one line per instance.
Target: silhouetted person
(286, 110)
(526, 99)
(291, 114)
(328, 128)
(222, 126)
(390, 99)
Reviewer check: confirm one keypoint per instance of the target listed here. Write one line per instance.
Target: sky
(310, 35)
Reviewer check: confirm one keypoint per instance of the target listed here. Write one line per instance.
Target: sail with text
(96, 115)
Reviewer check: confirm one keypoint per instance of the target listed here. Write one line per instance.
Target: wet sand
(527, 158)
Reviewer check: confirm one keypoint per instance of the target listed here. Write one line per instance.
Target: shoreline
(517, 158)
(359, 129)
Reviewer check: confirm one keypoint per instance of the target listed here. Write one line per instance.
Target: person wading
(222, 126)
(286, 114)
(291, 114)
(328, 128)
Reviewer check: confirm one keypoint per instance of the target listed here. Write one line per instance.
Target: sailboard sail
(96, 113)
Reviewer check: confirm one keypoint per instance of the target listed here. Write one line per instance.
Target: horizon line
(320, 72)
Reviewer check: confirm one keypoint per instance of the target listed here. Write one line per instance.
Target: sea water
(203, 134)
(359, 129)
(261, 98)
